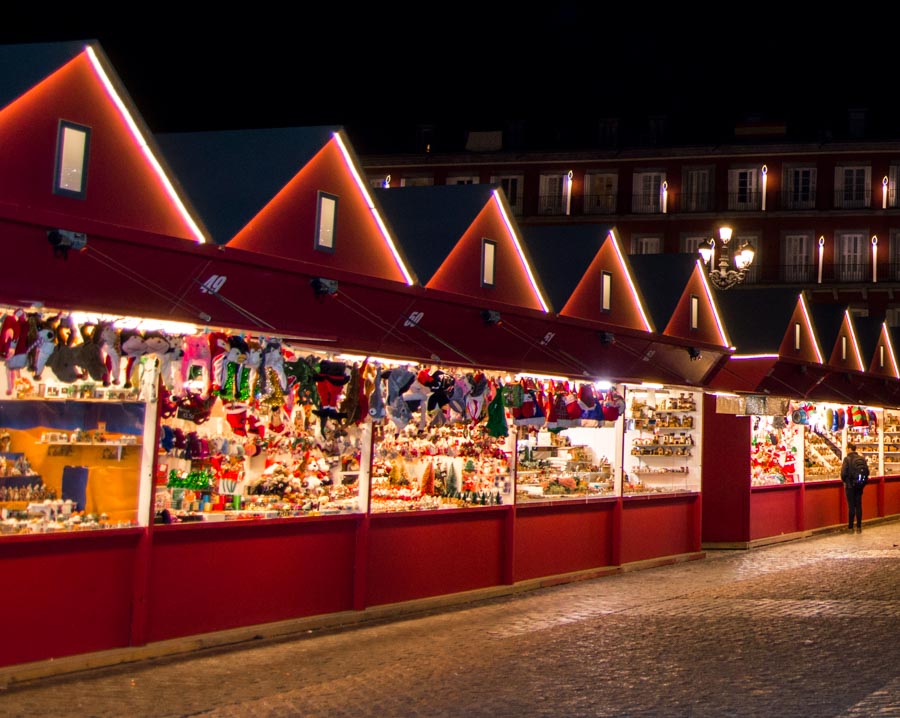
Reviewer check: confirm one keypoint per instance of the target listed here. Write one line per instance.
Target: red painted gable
(460, 272)
(809, 348)
(625, 310)
(709, 329)
(122, 189)
(286, 226)
(849, 358)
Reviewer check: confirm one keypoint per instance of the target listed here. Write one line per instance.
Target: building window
(799, 188)
(326, 218)
(647, 189)
(852, 187)
(894, 250)
(420, 181)
(600, 192)
(695, 311)
(796, 262)
(893, 177)
(513, 187)
(553, 194)
(696, 190)
(738, 240)
(853, 257)
(605, 291)
(463, 179)
(73, 144)
(743, 189)
(691, 243)
(647, 244)
(488, 262)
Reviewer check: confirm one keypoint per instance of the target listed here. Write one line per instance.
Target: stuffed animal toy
(330, 382)
(45, 345)
(18, 349)
(108, 338)
(238, 351)
(196, 362)
(133, 348)
(170, 354)
(218, 348)
(90, 355)
(301, 383)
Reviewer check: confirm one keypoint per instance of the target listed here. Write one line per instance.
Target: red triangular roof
(461, 271)
(127, 191)
(626, 306)
(285, 227)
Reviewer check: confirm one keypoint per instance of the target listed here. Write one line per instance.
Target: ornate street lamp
(721, 274)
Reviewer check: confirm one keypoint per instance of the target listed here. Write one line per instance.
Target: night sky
(475, 65)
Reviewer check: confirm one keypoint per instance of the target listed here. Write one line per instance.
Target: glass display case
(662, 440)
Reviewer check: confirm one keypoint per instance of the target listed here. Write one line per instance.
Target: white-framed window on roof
(647, 191)
(73, 143)
(417, 181)
(600, 190)
(463, 179)
(853, 256)
(799, 188)
(696, 189)
(744, 188)
(646, 244)
(605, 291)
(488, 262)
(852, 186)
(513, 187)
(797, 256)
(553, 194)
(377, 182)
(892, 317)
(326, 221)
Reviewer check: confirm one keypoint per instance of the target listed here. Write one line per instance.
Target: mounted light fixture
(62, 240)
(324, 286)
(607, 338)
(491, 317)
(694, 353)
(721, 273)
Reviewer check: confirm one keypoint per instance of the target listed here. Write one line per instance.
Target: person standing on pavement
(854, 474)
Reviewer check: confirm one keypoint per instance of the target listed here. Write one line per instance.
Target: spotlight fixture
(694, 353)
(63, 240)
(607, 338)
(491, 317)
(324, 286)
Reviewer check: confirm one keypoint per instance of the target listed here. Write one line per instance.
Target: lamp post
(721, 273)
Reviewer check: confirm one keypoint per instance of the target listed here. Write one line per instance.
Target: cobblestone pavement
(808, 628)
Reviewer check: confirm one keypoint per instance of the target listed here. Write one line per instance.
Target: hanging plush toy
(195, 363)
(133, 348)
(330, 382)
(238, 349)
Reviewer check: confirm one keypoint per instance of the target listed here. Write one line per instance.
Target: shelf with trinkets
(662, 433)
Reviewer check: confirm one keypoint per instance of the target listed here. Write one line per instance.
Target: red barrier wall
(563, 537)
(656, 526)
(66, 594)
(214, 577)
(434, 553)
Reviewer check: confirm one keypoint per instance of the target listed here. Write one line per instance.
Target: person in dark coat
(852, 466)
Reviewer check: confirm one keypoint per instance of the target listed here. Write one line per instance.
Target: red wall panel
(563, 538)
(420, 555)
(211, 578)
(891, 496)
(726, 475)
(66, 594)
(775, 511)
(823, 504)
(654, 527)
